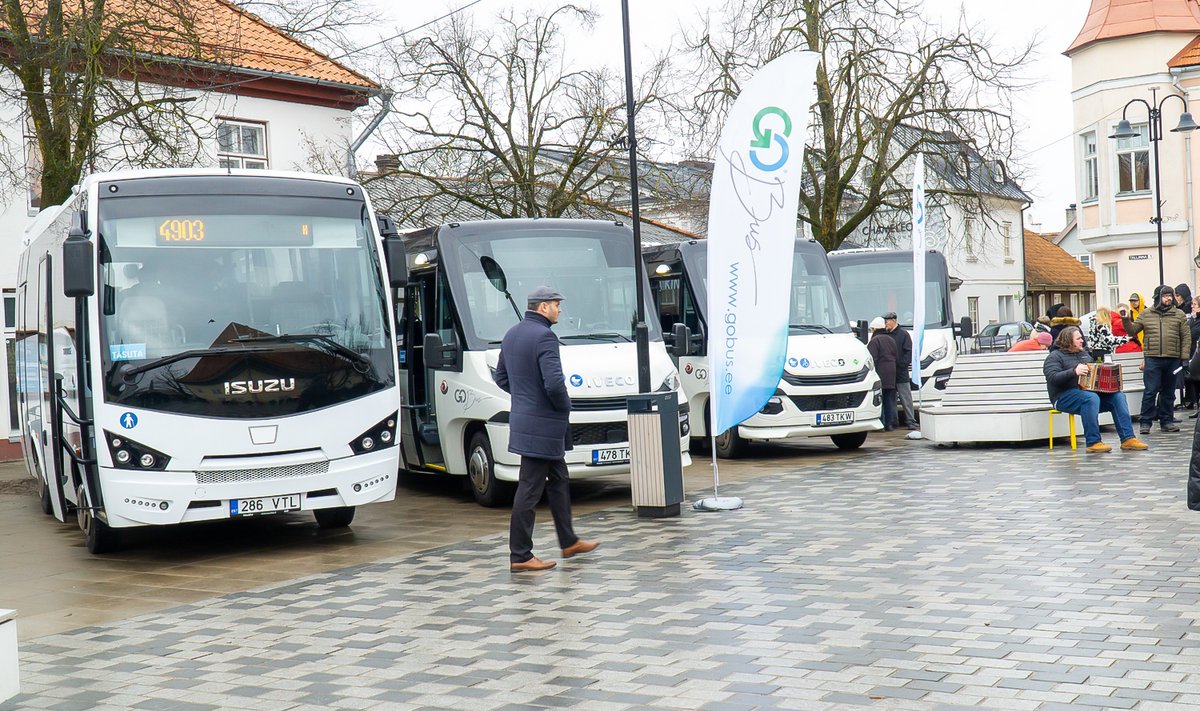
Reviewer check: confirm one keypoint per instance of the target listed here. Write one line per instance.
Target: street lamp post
(641, 331)
(1124, 130)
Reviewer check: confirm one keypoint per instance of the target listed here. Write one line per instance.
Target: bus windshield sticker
(127, 351)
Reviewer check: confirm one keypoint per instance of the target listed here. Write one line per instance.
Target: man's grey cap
(890, 315)
(543, 293)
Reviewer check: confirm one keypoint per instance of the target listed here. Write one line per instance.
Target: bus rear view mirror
(396, 261)
(439, 355)
(79, 271)
(681, 340)
(860, 330)
(966, 328)
(494, 273)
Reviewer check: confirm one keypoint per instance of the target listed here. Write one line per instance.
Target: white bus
(875, 281)
(467, 285)
(196, 345)
(829, 386)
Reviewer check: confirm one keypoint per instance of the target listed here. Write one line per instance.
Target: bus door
(419, 434)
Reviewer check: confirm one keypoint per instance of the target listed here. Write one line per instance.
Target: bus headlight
(127, 454)
(381, 436)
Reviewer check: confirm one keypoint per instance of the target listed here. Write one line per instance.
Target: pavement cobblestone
(918, 578)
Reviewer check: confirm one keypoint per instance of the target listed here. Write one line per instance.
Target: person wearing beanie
(885, 354)
(1038, 341)
(1168, 342)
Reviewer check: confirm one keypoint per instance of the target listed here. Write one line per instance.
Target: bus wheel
(336, 517)
(853, 440)
(44, 496)
(98, 535)
(481, 471)
(730, 444)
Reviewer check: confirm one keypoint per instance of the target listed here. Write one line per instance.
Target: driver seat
(294, 306)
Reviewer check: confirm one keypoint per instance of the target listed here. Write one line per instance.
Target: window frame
(240, 158)
(1111, 286)
(1125, 147)
(1090, 167)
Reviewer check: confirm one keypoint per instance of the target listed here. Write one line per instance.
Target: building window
(1006, 308)
(1133, 161)
(969, 239)
(241, 144)
(1091, 167)
(1111, 288)
(8, 338)
(973, 309)
(1085, 260)
(33, 170)
(1006, 235)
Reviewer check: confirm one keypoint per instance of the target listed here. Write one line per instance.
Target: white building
(271, 102)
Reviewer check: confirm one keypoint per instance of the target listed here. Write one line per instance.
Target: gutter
(386, 95)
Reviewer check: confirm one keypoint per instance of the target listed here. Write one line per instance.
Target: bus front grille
(227, 476)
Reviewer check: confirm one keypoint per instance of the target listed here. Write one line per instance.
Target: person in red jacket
(1118, 329)
(1039, 341)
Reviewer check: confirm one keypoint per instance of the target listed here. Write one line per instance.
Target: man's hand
(1081, 369)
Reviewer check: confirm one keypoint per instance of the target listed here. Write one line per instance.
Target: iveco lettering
(829, 387)
(204, 345)
(468, 284)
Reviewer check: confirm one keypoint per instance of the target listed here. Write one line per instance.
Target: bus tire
(99, 537)
(730, 444)
(44, 497)
(481, 474)
(850, 440)
(336, 517)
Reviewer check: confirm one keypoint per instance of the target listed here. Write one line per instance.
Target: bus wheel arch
(481, 470)
(99, 537)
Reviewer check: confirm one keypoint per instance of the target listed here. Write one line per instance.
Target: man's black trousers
(538, 475)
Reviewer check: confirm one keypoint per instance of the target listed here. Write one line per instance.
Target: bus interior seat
(143, 319)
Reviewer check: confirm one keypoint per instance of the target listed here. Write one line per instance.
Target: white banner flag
(918, 243)
(751, 235)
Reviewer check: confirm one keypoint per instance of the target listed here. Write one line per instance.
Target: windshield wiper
(600, 336)
(812, 326)
(344, 351)
(129, 372)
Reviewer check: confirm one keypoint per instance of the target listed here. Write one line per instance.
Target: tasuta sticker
(127, 351)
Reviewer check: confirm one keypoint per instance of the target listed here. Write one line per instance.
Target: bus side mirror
(79, 267)
(396, 260)
(860, 330)
(965, 327)
(681, 340)
(441, 356)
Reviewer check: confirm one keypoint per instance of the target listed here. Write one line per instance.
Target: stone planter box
(10, 684)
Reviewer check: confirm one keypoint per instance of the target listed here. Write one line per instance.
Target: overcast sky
(1044, 112)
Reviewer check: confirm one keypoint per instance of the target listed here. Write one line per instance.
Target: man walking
(539, 429)
(903, 367)
(1168, 342)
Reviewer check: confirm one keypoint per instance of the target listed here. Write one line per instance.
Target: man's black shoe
(1144, 429)
(1170, 427)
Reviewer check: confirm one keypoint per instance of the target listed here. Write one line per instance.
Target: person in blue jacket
(539, 429)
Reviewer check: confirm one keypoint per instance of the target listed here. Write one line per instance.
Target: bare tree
(89, 76)
(496, 120)
(889, 85)
(325, 24)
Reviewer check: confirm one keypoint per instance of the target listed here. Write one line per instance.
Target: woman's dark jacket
(1059, 369)
(1057, 324)
(530, 370)
(883, 351)
(1193, 485)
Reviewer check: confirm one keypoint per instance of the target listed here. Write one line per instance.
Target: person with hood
(1183, 299)
(1135, 309)
(530, 369)
(1168, 342)
(1183, 302)
(1101, 337)
(1062, 319)
(1062, 369)
(885, 354)
(1193, 483)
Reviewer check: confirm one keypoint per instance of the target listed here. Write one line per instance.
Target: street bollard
(655, 465)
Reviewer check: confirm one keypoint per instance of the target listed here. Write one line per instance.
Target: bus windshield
(235, 275)
(592, 267)
(815, 304)
(875, 283)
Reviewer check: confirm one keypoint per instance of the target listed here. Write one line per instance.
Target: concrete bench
(1001, 397)
(10, 684)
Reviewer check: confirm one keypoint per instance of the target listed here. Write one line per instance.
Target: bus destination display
(227, 230)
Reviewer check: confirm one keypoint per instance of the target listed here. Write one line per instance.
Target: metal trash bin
(655, 464)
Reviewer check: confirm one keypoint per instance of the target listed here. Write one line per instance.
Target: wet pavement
(902, 576)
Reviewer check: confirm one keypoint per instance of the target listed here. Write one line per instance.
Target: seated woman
(1103, 336)
(1062, 370)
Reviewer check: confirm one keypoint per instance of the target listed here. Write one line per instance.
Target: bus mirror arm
(79, 270)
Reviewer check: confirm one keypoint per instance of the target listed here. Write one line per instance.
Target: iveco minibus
(829, 387)
(467, 285)
(197, 345)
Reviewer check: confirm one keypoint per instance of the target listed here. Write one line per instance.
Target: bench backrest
(1016, 378)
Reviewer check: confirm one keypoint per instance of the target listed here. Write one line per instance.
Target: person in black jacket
(904, 347)
(539, 429)
(1062, 369)
(1193, 482)
(883, 351)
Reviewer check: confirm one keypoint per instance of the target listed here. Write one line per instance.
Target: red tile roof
(1110, 19)
(1049, 266)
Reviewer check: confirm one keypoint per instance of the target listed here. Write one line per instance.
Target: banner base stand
(915, 434)
(718, 503)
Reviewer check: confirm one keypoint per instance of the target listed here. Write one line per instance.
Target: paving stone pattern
(915, 577)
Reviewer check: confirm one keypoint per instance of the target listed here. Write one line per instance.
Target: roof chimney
(1070, 214)
(387, 163)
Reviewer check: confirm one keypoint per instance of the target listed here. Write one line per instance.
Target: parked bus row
(198, 345)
